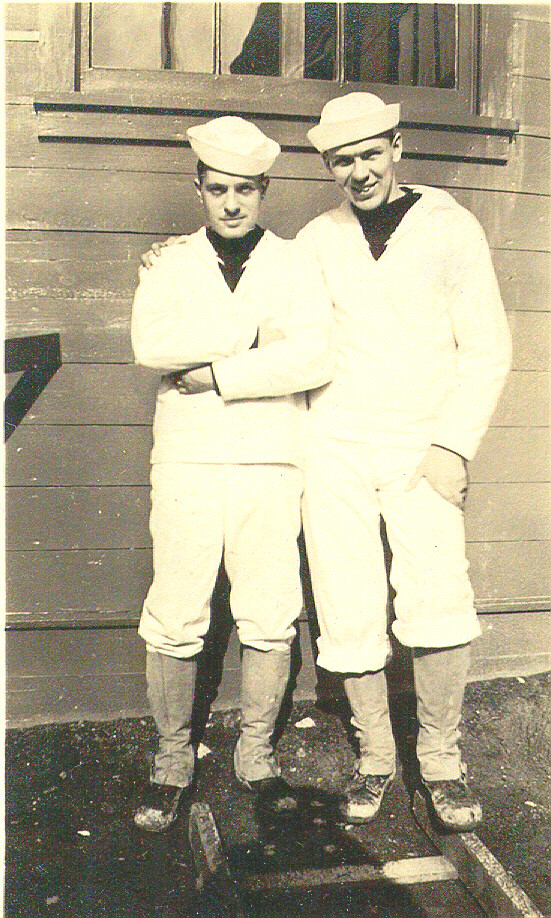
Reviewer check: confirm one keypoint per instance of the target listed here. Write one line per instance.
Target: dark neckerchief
(378, 225)
(234, 252)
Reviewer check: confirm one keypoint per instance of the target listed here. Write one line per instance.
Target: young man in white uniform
(423, 349)
(240, 323)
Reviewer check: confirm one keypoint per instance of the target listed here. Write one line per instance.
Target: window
(140, 73)
(394, 43)
(186, 37)
(253, 58)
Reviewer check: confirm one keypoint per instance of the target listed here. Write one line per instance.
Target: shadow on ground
(73, 850)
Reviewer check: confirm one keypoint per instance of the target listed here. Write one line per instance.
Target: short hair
(390, 134)
(202, 167)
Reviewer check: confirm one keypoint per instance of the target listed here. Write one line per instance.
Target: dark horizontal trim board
(286, 148)
(453, 138)
(67, 676)
(58, 621)
(70, 102)
(122, 619)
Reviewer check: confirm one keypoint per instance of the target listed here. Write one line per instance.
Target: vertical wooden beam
(292, 40)
(436, 37)
(78, 47)
(340, 44)
(415, 64)
(217, 43)
(56, 48)
(166, 49)
(466, 55)
(501, 54)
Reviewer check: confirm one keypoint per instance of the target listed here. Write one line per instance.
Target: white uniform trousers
(250, 514)
(348, 485)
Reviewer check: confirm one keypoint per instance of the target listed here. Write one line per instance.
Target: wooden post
(56, 48)
(210, 860)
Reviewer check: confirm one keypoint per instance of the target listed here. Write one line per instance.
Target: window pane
(153, 36)
(127, 36)
(406, 43)
(320, 33)
(250, 38)
(191, 37)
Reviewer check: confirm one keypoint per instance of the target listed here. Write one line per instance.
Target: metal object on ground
(477, 868)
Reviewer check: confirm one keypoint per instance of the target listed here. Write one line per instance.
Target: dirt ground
(73, 851)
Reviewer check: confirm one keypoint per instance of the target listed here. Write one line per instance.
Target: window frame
(280, 94)
(74, 103)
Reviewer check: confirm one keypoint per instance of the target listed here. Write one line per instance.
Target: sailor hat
(231, 144)
(351, 118)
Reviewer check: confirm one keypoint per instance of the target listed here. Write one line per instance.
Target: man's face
(231, 202)
(366, 171)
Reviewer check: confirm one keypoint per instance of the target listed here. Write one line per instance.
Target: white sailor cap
(231, 144)
(351, 118)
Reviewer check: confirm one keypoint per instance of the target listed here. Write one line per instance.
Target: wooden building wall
(79, 213)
